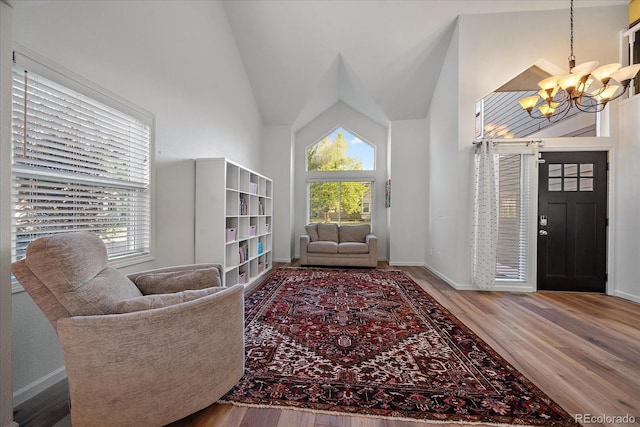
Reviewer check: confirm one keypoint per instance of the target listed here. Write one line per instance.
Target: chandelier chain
(571, 56)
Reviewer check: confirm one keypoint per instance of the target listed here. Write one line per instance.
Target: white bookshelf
(232, 197)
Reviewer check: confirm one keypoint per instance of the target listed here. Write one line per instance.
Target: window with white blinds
(513, 208)
(78, 165)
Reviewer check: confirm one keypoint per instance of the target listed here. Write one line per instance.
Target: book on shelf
(260, 208)
(243, 251)
(243, 207)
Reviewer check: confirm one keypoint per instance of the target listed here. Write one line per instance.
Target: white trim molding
(39, 385)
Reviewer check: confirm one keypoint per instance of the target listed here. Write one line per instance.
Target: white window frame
(40, 66)
(529, 178)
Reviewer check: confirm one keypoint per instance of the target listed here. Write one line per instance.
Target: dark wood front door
(572, 221)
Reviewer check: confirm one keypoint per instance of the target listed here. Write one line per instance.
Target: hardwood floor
(582, 350)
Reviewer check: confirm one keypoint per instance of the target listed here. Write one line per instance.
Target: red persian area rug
(373, 343)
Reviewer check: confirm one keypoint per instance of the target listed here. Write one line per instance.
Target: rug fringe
(355, 414)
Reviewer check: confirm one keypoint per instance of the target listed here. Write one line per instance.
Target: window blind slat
(86, 168)
(45, 91)
(513, 202)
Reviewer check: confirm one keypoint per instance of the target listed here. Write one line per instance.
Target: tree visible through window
(334, 195)
(341, 202)
(340, 151)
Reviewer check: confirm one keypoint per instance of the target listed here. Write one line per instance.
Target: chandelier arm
(565, 107)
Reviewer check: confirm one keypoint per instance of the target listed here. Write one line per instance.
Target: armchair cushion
(148, 302)
(176, 281)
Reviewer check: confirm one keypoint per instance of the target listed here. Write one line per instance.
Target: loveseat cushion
(177, 281)
(312, 231)
(323, 247)
(328, 231)
(148, 302)
(353, 248)
(353, 233)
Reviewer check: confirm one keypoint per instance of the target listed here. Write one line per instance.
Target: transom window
(341, 150)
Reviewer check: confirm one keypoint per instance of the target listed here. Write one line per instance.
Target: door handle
(543, 232)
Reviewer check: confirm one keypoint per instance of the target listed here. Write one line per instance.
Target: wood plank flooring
(583, 350)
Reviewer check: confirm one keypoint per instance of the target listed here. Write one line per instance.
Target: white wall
(442, 174)
(626, 266)
(408, 212)
(341, 114)
(278, 160)
(177, 60)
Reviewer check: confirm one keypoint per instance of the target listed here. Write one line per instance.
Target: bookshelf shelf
(233, 219)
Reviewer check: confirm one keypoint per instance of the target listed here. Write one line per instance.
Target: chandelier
(587, 87)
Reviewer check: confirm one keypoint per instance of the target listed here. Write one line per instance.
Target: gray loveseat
(332, 245)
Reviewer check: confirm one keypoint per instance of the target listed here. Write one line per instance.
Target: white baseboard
(447, 280)
(285, 260)
(628, 296)
(38, 386)
(471, 287)
(406, 263)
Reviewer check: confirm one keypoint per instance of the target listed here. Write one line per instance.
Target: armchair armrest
(162, 354)
(177, 279)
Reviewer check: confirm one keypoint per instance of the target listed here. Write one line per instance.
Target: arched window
(337, 190)
(340, 151)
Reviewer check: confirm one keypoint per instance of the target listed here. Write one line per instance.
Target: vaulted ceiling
(382, 58)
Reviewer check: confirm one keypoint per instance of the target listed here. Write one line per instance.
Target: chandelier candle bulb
(606, 95)
(529, 102)
(625, 74)
(550, 83)
(569, 82)
(585, 68)
(603, 74)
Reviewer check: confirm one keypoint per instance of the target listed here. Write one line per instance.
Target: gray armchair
(142, 350)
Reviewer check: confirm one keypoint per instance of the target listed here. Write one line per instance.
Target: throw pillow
(354, 233)
(312, 231)
(328, 231)
(177, 281)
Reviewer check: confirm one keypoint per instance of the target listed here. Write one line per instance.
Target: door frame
(577, 144)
